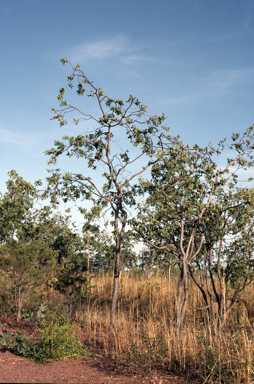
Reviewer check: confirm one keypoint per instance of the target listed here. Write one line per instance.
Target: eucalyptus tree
(98, 148)
(182, 189)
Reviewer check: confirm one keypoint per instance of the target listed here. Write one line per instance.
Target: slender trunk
(186, 299)
(169, 276)
(223, 303)
(147, 272)
(181, 312)
(88, 252)
(19, 302)
(178, 302)
(116, 286)
(200, 286)
(211, 309)
(19, 305)
(119, 239)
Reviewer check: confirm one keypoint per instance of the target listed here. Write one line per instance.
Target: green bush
(21, 345)
(59, 339)
(35, 316)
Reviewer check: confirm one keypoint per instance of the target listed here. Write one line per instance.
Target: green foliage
(45, 242)
(37, 316)
(74, 283)
(103, 255)
(60, 338)
(16, 205)
(22, 221)
(193, 207)
(26, 266)
(40, 313)
(21, 345)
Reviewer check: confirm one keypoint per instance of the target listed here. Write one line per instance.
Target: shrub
(59, 340)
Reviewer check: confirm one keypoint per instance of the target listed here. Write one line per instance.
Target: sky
(190, 59)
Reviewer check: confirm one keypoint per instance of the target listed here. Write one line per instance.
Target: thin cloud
(216, 83)
(224, 79)
(32, 144)
(137, 59)
(100, 49)
(128, 52)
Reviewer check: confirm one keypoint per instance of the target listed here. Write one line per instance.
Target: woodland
(160, 273)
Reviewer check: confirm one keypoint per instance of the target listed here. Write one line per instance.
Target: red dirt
(14, 369)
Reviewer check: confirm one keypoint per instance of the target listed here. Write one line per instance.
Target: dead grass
(145, 336)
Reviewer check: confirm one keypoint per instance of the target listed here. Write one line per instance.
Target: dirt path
(14, 369)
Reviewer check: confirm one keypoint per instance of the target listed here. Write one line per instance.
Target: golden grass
(145, 335)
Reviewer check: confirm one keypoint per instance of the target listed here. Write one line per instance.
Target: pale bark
(88, 252)
(119, 239)
(169, 277)
(183, 291)
(115, 291)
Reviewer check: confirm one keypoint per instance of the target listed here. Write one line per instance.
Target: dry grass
(145, 334)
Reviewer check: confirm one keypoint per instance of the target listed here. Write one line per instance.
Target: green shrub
(35, 316)
(59, 340)
(21, 345)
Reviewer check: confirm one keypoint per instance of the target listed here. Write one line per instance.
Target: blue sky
(190, 59)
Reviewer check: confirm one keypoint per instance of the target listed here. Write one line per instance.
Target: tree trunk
(169, 276)
(178, 302)
(88, 252)
(181, 312)
(211, 309)
(19, 303)
(119, 239)
(116, 287)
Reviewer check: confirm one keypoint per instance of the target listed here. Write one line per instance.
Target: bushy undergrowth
(59, 340)
(22, 346)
